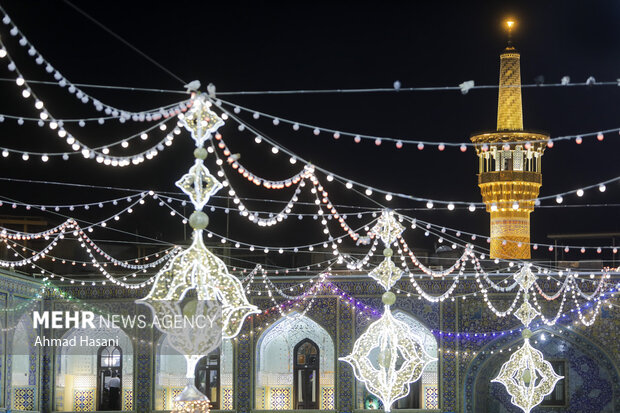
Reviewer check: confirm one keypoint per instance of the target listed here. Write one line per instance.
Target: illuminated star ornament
(388, 229)
(525, 277)
(386, 273)
(387, 358)
(528, 377)
(200, 120)
(526, 313)
(199, 184)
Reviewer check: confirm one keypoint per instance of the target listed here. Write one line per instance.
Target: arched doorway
(207, 377)
(170, 373)
(109, 378)
(278, 366)
(80, 373)
(590, 378)
(306, 375)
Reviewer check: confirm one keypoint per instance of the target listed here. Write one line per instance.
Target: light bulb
(44, 158)
(25, 156)
(20, 81)
(602, 188)
(2, 53)
(471, 207)
(368, 191)
(258, 139)
(580, 192)
(275, 150)
(349, 185)
(494, 207)
(144, 136)
(124, 144)
(451, 206)
(388, 197)
(559, 199)
(26, 93)
(515, 205)
(38, 104)
(429, 204)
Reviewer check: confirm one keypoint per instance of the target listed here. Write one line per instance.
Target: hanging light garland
(72, 88)
(351, 184)
(399, 143)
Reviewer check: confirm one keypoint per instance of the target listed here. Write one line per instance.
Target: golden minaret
(509, 174)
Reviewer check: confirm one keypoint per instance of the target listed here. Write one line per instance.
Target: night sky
(242, 46)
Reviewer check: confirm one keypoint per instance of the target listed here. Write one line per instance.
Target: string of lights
(72, 88)
(399, 143)
(429, 202)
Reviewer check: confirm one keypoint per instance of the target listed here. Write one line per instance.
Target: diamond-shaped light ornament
(526, 313)
(528, 377)
(199, 184)
(387, 227)
(200, 120)
(199, 269)
(399, 358)
(525, 277)
(386, 273)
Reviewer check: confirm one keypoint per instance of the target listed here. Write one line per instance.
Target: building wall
(592, 352)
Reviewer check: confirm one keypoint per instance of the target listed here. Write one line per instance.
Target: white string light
(149, 115)
(398, 142)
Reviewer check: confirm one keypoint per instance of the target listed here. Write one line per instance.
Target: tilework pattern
(127, 399)
(164, 393)
(175, 392)
(431, 397)
(84, 400)
(280, 398)
(450, 363)
(243, 356)
(597, 387)
(227, 398)
(23, 398)
(327, 398)
(345, 341)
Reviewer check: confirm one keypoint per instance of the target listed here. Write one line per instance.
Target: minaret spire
(510, 162)
(509, 106)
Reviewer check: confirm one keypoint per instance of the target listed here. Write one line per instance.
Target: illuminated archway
(76, 371)
(275, 368)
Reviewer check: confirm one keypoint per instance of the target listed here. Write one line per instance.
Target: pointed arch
(77, 382)
(589, 371)
(170, 369)
(275, 367)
